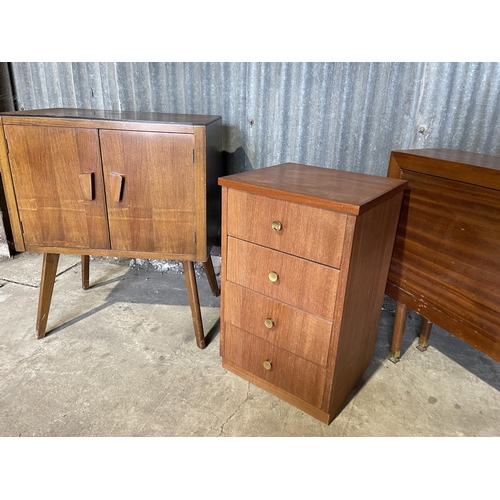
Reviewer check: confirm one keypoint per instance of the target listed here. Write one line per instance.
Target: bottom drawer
(295, 375)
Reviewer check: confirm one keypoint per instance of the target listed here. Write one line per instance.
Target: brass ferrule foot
(423, 345)
(395, 356)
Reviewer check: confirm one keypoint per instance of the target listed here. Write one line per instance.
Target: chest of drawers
(305, 257)
(112, 183)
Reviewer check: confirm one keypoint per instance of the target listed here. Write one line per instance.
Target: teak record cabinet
(305, 257)
(110, 183)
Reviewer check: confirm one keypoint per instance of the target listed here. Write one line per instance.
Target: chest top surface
(343, 191)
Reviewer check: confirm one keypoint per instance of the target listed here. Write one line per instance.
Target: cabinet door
(58, 183)
(150, 191)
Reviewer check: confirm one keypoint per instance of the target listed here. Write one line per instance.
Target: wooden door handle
(116, 186)
(87, 185)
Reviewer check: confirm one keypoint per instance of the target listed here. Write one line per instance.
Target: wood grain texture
(159, 171)
(211, 277)
(156, 211)
(194, 303)
(99, 124)
(299, 282)
(462, 166)
(446, 261)
(223, 268)
(347, 192)
(308, 295)
(200, 191)
(49, 270)
(214, 170)
(278, 392)
(367, 274)
(10, 195)
(312, 233)
(293, 329)
(250, 352)
(46, 163)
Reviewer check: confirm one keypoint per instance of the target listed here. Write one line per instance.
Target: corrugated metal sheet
(338, 115)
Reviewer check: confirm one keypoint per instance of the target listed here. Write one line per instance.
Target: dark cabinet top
(101, 114)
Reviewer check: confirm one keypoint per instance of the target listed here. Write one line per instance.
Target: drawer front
(300, 283)
(291, 329)
(308, 232)
(295, 375)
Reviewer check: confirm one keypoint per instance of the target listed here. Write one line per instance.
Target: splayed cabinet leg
(212, 279)
(49, 270)
(85, 272)
(397, 334)
(425, 333)
(194, 302)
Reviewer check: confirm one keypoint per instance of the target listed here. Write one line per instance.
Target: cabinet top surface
(339, 190)
(472, 168)
(101, 114)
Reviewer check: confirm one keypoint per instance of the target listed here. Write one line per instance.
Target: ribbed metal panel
(338, 115)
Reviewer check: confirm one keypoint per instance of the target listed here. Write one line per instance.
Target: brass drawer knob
(273, 277)
(269, 323)
(276, 225)
(267, 365)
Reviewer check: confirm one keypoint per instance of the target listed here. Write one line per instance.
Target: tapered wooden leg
(194, 302)
(425, 333)
(85, 272)
(49, 270)
(212, 279)
(397, 333)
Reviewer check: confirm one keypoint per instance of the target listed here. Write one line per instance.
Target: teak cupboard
(305, 256)
(446, 262)
(110, 183)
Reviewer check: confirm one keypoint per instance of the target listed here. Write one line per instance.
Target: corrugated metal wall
(338, 115)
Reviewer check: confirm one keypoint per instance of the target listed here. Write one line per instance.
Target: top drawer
(312, 233)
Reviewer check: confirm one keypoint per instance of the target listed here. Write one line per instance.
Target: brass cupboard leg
(85, 272)
(49, 270)
(194, 302)
(212, 279)
(397, 333)
(425, 333)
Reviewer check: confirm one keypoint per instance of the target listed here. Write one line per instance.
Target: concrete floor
(121, 360)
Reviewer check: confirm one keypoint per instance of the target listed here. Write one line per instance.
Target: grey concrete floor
(121, 360)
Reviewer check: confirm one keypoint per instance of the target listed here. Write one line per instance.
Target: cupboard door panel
(150, 186)
(59, 189)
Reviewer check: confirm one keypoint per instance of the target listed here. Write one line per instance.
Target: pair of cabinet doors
(104, 189)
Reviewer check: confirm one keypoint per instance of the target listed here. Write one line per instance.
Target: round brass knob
(267, 365)
(269, 323)
(276, 225)
(273, 276)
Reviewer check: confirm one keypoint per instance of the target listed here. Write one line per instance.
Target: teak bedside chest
(305, 257)
(111, 183)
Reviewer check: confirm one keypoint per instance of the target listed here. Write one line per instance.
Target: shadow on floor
(473, 360)
(139, 286)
